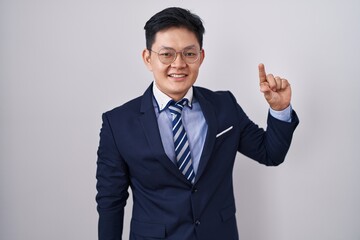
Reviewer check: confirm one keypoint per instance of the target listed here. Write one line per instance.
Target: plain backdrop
(64, 63)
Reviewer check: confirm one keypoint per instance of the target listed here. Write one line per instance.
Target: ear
(202, 56)
(146, 56)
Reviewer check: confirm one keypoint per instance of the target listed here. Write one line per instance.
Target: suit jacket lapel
(210, 117)
(151, 130)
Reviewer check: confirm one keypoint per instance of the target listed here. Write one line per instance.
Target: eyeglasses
(169, 55)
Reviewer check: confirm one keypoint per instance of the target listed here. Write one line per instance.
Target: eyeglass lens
(168, 55)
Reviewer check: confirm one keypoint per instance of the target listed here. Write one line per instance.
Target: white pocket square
(225, 131)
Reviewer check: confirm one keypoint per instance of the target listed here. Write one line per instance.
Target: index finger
(262, 73)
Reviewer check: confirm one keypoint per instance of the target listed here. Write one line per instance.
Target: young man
(175, 146)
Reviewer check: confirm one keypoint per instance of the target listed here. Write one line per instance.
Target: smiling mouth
(177, 75)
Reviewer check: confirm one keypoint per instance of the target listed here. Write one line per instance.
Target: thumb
(266, 90)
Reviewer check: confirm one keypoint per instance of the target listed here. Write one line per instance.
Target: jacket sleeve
(267, 147)
(112, 185)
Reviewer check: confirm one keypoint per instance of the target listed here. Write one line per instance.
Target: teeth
(177, 75)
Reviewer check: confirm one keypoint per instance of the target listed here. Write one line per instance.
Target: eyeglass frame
(176, 54)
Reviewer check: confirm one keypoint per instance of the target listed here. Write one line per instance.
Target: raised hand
(276, 90)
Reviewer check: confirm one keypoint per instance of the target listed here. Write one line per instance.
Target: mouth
(180, 75)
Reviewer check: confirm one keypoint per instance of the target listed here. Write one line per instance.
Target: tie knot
(182, 102)
(177, 107)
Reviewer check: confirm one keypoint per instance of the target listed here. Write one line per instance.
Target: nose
(179, 60)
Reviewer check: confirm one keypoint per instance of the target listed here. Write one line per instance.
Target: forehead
(177, 38)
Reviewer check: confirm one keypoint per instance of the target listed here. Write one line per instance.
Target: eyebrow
(190, 46)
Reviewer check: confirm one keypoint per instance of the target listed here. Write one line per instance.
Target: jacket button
(197, 222)
(194, 190)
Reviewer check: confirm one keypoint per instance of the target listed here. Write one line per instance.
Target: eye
(166, 53)
(190, 54)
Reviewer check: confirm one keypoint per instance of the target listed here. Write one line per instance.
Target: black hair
(173, 17)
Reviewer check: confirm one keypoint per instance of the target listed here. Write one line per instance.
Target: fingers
(284, 83)
(276, 90)
(265, 88)
(262, 73)
(269, 82)
(276, 83)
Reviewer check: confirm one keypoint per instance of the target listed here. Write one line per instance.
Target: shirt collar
(163, 100)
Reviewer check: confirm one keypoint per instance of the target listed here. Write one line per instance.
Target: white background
(63, 63)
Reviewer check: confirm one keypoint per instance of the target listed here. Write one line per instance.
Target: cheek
(149, 67)
(159, 69)
(195, 71)
(153, 65)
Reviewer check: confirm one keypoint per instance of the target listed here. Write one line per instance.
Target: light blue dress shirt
(194, 124)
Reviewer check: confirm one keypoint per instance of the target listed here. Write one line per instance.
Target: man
(175, 146)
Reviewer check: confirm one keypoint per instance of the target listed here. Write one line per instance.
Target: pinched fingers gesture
(276, 90)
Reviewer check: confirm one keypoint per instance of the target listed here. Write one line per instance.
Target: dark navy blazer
(165, 204)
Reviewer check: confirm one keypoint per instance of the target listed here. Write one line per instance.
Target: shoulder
(129, 108)
(135, 106)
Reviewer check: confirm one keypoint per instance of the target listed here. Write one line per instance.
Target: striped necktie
(181, 143)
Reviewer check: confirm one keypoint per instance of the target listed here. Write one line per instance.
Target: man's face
(176, 78)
